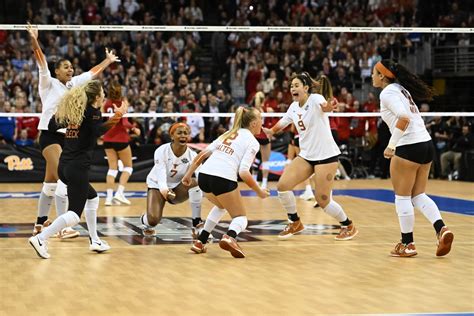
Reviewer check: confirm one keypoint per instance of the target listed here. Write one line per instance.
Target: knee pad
(61, 189)
(71, 218)
(422, 200)
(129, 170)
(195, 195)
(113, 173)
(49, 189)
(239, 223)
(403, 206)
(427, 206)
(92, 204)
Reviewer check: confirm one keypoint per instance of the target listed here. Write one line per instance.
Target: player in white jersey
(318, 153)
(172, 160)
(230, 155)
(411, 152)
(51, 90)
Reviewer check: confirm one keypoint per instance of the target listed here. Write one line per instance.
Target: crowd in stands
(160, 71)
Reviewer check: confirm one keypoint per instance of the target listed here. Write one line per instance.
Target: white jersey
(396, 101)
(51, 90)
(316, 141)
(169, 170)
(228, 157)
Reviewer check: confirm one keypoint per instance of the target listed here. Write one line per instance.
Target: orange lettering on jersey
(225, 149)
(174, 171)
(300, 122)
(72, 133)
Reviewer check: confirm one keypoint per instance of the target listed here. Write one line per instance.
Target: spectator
(23, 139)
(196, 124)
(451, 159)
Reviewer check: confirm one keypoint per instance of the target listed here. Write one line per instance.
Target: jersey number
(413, 107)
(173, 171)
(229, 139)
(301, 125)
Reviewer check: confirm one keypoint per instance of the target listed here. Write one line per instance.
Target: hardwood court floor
(306, 275)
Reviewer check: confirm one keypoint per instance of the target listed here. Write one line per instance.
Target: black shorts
(49, 138)
(115, 146)
(322, 162)
(421, 153)
(215, 185)
(263, 141)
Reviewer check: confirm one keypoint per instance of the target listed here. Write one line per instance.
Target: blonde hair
(322, 85)
(71, 108)
(243, 118)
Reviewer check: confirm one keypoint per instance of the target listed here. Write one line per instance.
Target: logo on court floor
(171, 230)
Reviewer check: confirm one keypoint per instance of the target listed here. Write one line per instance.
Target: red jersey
(30, 123)
(118, 133)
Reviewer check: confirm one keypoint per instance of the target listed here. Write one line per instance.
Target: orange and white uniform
(231, 155)
(395, 102)
(169, 169)
(312, 124)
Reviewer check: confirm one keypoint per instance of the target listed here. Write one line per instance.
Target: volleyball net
(173, 73)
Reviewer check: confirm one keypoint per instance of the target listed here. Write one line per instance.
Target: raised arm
(39, 56)
(109, 59)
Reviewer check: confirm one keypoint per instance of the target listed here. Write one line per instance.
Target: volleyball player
(79, 111)
(229, 155)
(263, 140)
(172, 160)
(319, 153)
(51, 90)
(116, 146)
(411, 152)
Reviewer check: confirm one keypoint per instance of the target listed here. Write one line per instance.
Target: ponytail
(418, 89)
(243, 118)
(321, 86)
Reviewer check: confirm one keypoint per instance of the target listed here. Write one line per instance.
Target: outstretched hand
(32, 30)
(110, 55)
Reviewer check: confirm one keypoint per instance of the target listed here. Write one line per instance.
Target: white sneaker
(68, 233)
(98, 247)
(121, 198)
(307, 195)
(41, 248)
